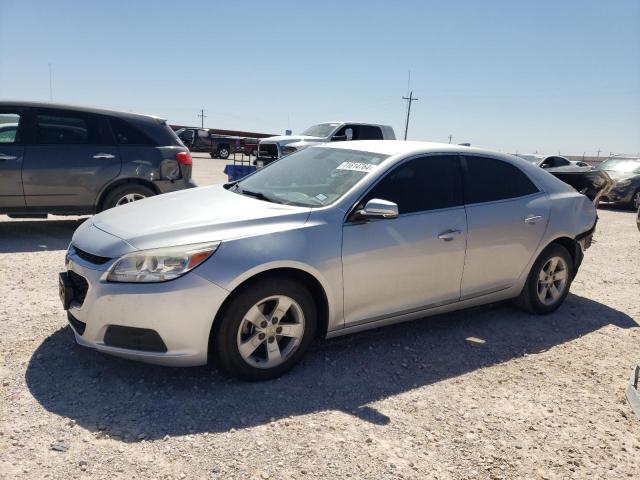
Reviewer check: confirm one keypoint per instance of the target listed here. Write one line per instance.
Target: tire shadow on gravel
(130, 401)
(36, 235)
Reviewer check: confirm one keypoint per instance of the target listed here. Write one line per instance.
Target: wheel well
(573, 248)
(119, 183)
(308, 280)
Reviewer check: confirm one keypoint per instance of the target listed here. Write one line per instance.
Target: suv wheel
(548, 282)
(126, 194)
(265, 330)
(223, 152)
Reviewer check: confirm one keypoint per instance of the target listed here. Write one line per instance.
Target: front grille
(90, 257)
(80, 286)
(77, 325)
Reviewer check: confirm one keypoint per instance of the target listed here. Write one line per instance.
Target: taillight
(184, 158)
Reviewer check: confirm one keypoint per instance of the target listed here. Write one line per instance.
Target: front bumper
(618, 195)
(181, 311)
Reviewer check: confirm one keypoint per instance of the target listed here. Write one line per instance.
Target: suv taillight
(184, 158)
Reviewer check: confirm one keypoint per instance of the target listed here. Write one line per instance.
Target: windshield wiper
(258, 195)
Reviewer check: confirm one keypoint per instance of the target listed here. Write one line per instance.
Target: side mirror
(377, 208)
(348, 133)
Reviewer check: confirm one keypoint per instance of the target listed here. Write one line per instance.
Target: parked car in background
(552, 161)
(580, 175)
(69, 160)
(202, 140)
(250, 146)
(253, 270)
(272, 148)
(625, 172)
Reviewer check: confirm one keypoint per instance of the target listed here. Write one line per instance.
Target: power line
(410, 99)
(50, 84)
(202, 117)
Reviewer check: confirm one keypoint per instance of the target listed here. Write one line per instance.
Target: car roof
(76, 108)
(403, 147)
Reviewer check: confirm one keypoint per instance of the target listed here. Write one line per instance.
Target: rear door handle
(532, 219)
(449, 235)
(104, 155)
(7, 157)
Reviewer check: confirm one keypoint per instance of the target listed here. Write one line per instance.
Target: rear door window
(369, 132)
(63, 128)
(489, 179)
(426, 183)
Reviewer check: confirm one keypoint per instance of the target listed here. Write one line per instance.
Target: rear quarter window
(127, 134)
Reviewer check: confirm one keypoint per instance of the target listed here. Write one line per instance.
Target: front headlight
(160, 264)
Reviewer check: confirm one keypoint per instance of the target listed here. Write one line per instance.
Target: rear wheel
(265, 329)
(223, 152)
(125, 194)
(548, 282)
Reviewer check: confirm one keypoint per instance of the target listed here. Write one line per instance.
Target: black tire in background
(131, 190)
(223, 346)
(224, 152)
(529, 299)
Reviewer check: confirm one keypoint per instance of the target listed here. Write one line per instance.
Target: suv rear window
(127, 134)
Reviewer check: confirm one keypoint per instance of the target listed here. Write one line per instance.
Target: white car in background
(272, 148)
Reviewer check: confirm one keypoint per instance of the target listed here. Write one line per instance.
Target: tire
(118, 196)
(635, 201)
(224, 152)
(261, 301)
(533, 292)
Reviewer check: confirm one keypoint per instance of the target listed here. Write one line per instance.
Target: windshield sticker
(322, 197)
(357, 167)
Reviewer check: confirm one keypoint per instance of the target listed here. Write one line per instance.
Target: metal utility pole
(450, 137)
(410, 99)
(202, 117)
(598, 153)
(50, 84)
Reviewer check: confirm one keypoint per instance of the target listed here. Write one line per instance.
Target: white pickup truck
(272, 148)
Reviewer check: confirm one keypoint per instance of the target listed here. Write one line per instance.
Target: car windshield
(620, 165)
(313, 177)
(320, 130)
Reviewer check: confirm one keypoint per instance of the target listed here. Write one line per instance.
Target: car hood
(192, 216)
(620, 176)
(286, 139)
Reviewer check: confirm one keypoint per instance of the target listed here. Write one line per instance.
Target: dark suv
(68, 160)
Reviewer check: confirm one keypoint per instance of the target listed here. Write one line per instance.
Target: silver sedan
(324, 242)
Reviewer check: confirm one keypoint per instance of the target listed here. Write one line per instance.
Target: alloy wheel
(552, 280)
(129, 197)
(270, 332)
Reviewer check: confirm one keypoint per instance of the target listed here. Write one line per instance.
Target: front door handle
(449, 235)
(532, 219)
(7, 157)
(104, 155)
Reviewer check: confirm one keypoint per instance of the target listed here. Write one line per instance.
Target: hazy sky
(513, 75)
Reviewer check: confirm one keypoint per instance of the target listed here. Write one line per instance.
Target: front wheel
(548, 282)
(265, 329)
(635, 201)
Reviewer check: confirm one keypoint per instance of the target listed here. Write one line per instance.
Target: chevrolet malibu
(327, 241)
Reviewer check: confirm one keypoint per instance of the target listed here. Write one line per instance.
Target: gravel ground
(485, 393)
